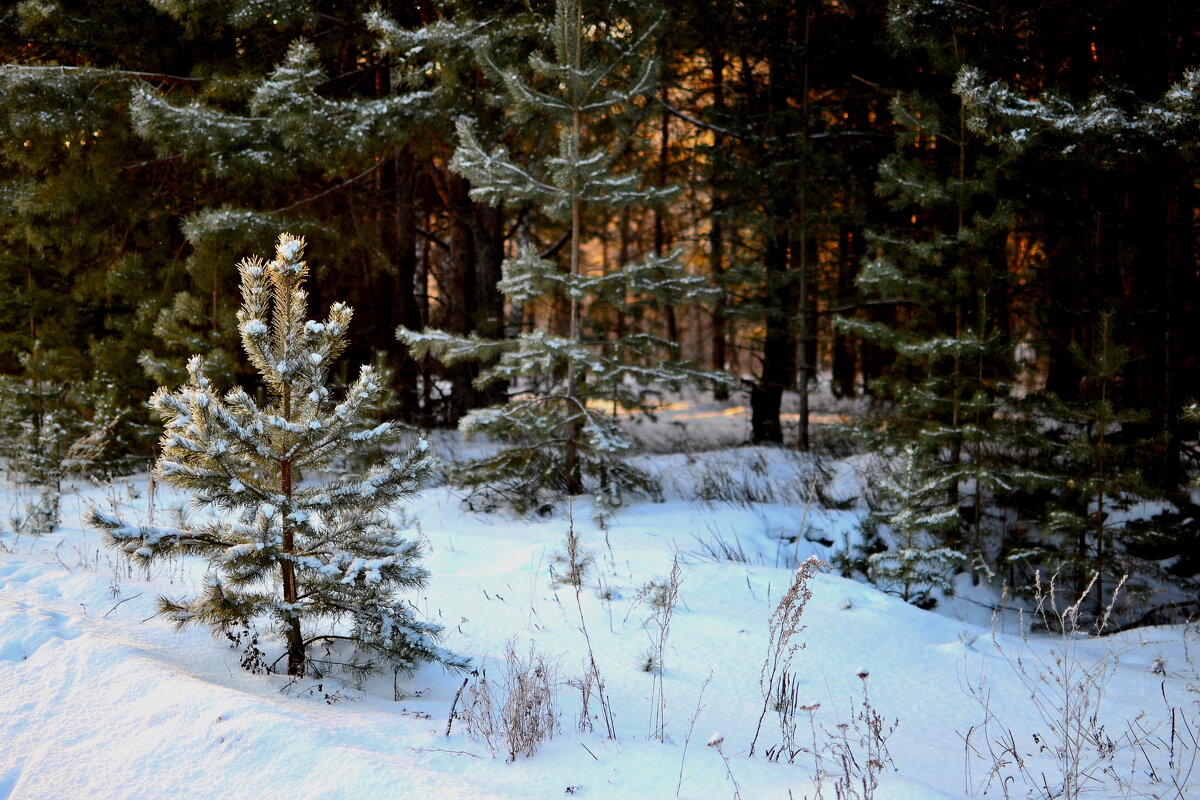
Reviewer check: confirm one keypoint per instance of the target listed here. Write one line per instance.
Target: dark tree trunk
(487, 228)
(400, 177)
(458, 295)
(843, 357)
(778, 368)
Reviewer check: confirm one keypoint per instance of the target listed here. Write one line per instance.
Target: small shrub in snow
(323, 560)
(520, 716)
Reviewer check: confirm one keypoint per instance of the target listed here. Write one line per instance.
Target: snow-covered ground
(100, 699)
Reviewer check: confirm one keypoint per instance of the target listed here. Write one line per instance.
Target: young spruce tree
(306, 554)
(559, 427)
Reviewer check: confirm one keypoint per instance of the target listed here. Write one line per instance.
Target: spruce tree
(321, 557)
(559, 428)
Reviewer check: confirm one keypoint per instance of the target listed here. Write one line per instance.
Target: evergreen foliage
(915, 513)
(559, 428)
(306, 552)
(186, 328)
(952, 382)
(49, 430)
(1084, 531)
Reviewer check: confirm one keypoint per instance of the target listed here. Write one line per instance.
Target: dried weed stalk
(1075, 753)
(593, 683)
(662, 599)
(858, 751)
(783, 628)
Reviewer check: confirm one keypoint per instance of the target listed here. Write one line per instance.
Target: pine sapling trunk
(295, 639)
(574, 480)
(956, 370)
(292, 633)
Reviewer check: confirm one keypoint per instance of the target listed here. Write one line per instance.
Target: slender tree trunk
(716, 239)
(843, 357)
(574, 480)
(660, 234)
(805, 366)
(400, 177)
(487, 228)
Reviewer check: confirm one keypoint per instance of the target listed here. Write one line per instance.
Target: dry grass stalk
(691, 728)
(783, 628)
(592, 674)
(1066, 686)
(662, 599)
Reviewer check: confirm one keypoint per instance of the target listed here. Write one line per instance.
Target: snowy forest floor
(101, 699)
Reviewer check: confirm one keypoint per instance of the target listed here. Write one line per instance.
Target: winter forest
(603, 398)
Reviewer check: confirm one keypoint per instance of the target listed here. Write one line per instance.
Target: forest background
(981, 218)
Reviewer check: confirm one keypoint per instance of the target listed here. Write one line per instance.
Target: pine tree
(1118, 248)
(1097, 477)
(557, 435)
(304, 551)
(293, 118)
(945, 268)
(184, 329)
(86, 234)
(917, 517)
(50, 430)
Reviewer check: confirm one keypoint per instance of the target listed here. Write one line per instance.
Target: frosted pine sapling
(322, 559)
(560, 431)
(917, 517)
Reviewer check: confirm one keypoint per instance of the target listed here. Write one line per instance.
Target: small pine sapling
(917, 516)
(1094, 458)
(323, 560)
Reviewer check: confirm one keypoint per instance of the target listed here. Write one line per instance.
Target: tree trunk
(843, 359)
(778, 368)
(459, 295)
(716, 240)
(400, 176)
(487, 228)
